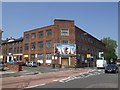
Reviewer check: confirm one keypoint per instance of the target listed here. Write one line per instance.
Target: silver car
(31, 64)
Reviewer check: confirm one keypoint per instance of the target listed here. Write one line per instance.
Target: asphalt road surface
(96, 79)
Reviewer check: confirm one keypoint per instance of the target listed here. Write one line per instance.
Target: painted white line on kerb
(21, 76)
(99, 70)
(36, 85)
(55, 80)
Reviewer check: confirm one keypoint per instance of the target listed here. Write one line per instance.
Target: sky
(99, 19)
(60, 0)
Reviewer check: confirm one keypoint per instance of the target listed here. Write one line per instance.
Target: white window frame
(63, 31)
(40, 60)
(48, 60)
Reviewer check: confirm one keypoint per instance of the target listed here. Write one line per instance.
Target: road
(31, 80)
(96, 79)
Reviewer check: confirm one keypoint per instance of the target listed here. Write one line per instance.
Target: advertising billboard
(65, 49)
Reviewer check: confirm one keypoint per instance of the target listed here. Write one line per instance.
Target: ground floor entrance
(65, 61)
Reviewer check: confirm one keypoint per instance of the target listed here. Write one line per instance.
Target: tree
(110, 51)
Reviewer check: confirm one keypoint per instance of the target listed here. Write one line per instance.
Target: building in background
(61, 43)
(1, 56)
(119, 45)
(12, 49)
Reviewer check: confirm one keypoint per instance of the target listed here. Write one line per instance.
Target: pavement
(33, 70)
(33, 79)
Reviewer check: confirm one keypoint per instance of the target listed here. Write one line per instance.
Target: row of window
(41, 57)
(13, 43)
(86, 48)
(40, 35)
(15, 50)
(64, 32)
(88, 39)
(40, 45)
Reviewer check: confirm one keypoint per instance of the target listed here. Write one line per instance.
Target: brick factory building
(61, 43)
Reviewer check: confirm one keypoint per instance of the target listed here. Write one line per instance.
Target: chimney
(61, 22)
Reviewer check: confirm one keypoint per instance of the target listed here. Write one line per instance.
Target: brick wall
(14, 67)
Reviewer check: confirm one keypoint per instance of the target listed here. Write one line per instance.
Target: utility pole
(1, 56)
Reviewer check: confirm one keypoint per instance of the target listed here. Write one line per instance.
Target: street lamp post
(88, 58)
(58, 57)
(75, 63)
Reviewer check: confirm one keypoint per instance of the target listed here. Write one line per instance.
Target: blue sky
(100, 19)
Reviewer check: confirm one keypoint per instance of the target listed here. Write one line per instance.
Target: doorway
(65, 61)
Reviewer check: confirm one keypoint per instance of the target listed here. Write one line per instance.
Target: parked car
(111, 68)
(12, 62)
(31, 64)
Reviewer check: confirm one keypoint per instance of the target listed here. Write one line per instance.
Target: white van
(100, 63)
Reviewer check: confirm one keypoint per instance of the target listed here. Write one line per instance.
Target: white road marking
(78, 77)
(36, 85)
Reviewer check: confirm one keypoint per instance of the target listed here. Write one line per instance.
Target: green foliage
(110, 50)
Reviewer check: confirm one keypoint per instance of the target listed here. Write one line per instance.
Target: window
(88, 39)
(27, 37)
(20, 42)
(32, 57)
(64, 32)
(40, 34)
(85, 48)
(33, 35)
(20, 49)
(10, 50)
(88, 48)
(40, 56)
(48, 57)
(81, 36)
(40, 45)
(65, 41)
(33, 46)
(82, 47)
(49, 33)
(17, 49)
(26, 47)
(49, 44)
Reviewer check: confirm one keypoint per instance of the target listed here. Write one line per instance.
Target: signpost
(88, 58)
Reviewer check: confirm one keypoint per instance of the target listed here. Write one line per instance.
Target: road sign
(88, 55)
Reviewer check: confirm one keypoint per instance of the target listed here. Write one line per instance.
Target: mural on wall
(65, 49)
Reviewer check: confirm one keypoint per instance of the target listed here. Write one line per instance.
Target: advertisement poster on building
(65, 49)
